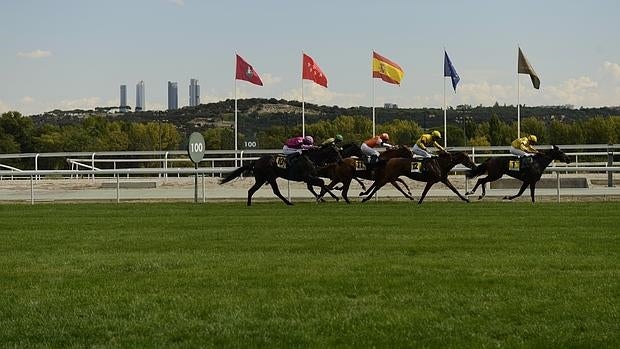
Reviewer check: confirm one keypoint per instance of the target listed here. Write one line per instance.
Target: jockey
(296, 145)
(523, 146)
(427, 140)
(368, 146)
(333, 140)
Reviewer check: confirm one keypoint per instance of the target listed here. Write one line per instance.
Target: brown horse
(496, 167)
(302, 169)
(432, 170)
(346, 171)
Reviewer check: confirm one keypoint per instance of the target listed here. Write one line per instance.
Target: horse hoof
(467, 201)
(480, 197)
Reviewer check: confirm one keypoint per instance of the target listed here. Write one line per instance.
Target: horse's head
(556, 154)
(462, 158)
(351, 149)
(324, 155)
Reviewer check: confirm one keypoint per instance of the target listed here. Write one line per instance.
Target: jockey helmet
(339, 138)
(532, 138)
(385, 136)
(308, 140)
(436, 134)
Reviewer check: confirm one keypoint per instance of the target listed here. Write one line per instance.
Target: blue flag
(448, 70)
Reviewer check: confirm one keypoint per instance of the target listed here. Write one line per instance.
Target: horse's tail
(245, 169)
(477, 171)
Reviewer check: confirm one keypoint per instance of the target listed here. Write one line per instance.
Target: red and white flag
(246, 72)
(311, 71)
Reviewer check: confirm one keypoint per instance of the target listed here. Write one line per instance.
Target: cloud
(178, 2)
(3, 107)
(80, 103)
(484, 93)
(579, 91)
(612, 68)
(27, 99)
(269, 79)
(35, 54)
(319, 95)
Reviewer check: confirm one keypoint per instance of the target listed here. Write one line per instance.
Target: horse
(347, 170)
(302, 169)
(496, 167)
(431, 171)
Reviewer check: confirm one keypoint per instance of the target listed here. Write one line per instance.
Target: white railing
(203, 171)
(227, 159)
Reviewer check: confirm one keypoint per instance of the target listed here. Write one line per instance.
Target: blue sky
(75, 53)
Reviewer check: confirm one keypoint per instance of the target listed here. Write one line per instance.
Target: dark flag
(448, 70)
(524, 67)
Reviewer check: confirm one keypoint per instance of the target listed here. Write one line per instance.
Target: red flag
(246, 72)
(311, 71)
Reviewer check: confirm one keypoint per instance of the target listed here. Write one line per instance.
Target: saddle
(520, 163)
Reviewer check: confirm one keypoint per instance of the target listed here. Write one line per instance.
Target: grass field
(333, 275)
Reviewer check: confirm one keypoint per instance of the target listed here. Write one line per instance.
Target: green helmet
(339, 138)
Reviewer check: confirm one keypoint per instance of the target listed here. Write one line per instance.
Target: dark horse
(302, 169)
(496, 167)
(432, 170)
(346, 171)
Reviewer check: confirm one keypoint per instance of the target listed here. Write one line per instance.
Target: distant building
(173, 95)
(140, 96)
(123, 105)
(390, 106)
(194, 93)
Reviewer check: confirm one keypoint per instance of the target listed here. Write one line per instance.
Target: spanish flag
(386, 70)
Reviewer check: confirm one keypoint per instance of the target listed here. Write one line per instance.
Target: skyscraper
(173, 96)
(140, 96)
(123, 105)
(194, 93)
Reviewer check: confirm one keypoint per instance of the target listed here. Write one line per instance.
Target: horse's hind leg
(276, 190)
(373, 189)
(254, 188)
(523, 186)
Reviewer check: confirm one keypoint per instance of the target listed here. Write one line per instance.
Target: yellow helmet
(532, 138)
(436, 134)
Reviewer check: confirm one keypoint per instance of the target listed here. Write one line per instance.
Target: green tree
(535, 126)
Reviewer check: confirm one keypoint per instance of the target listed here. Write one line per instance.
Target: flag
(386, 70)
(448, 70)
(246, 72)
(311, 71)
(524, 67)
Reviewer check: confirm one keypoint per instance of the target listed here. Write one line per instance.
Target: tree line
(19, 134)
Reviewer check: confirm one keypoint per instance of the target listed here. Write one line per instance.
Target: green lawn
(331, 275)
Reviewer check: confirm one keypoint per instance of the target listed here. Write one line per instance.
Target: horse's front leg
(426, 189)
(406, 187)
(360, 183)
(523, 186)
(448, 184)
(315, 181)
(532, 190)
(395, 184)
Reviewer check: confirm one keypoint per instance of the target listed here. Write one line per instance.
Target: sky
(69, 54)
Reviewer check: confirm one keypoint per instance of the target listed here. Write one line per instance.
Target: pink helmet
(308, 140)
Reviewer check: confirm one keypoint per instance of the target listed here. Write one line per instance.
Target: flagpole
(518, 98)
(303, 104)
(236, 140)
(445, 118)
(373, 107)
